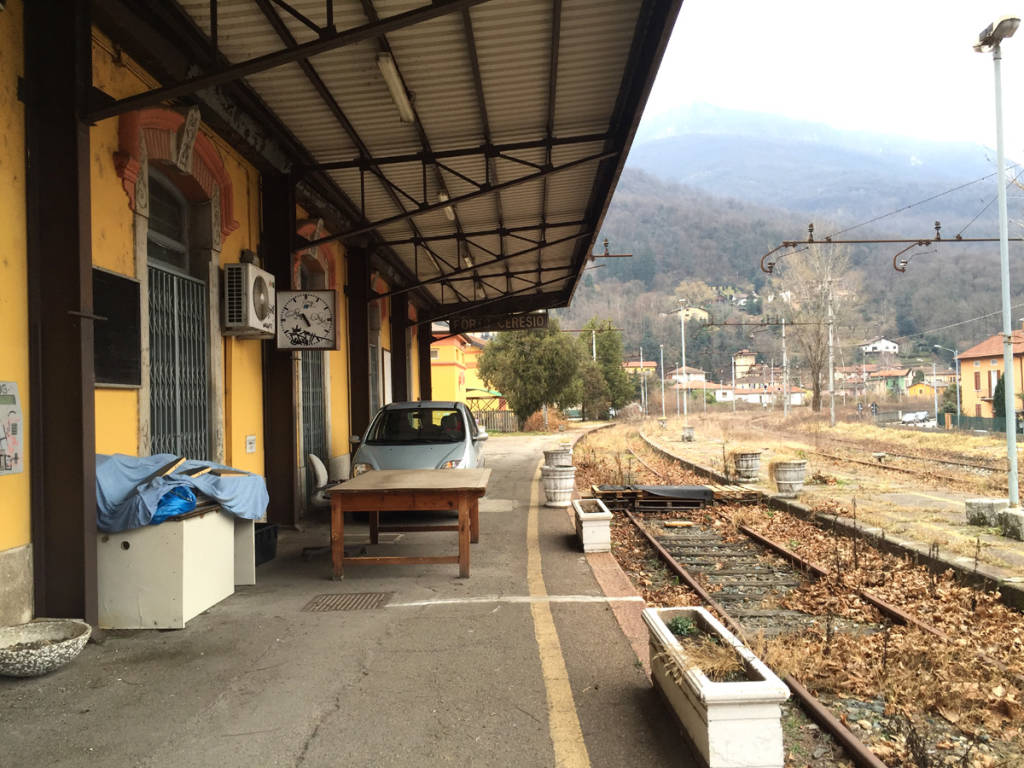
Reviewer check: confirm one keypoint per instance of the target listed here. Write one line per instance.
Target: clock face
(306, 320)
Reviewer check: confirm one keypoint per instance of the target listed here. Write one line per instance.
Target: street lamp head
(992, 35)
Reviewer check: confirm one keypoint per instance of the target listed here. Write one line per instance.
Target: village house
(925, 390)
(880, 344)
(742, 362)
(890, 382)
(980, 369)
(635, 368)
(687, 374)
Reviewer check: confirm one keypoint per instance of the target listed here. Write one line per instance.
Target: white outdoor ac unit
(249, 302)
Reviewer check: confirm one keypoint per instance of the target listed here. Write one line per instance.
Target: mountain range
(707, 191)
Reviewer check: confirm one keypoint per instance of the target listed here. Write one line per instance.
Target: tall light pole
(935, 395)
(785, 373)
(661, 352)
(989, 40)
(956, 363)
(831, 360)
(643, 383)
(682, 344)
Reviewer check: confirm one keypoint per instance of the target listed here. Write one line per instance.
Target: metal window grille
(179, 368)
(314, 410)
(374, 379)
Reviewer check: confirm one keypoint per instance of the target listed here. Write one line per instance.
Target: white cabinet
(160, 576)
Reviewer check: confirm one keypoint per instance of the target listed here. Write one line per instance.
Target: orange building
(980, 369)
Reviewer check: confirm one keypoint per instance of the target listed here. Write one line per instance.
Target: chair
(317, 498)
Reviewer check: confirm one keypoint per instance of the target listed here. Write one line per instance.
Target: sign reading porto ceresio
(477, 323)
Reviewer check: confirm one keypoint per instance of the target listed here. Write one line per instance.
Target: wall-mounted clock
(307, 320)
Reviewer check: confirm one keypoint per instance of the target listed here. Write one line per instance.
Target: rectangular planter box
(593, 525)
(730, 724)
(160, 576)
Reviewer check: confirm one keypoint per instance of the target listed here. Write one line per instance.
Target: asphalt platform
(525, 663)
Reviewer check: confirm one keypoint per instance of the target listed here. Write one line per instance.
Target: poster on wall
(12, 457)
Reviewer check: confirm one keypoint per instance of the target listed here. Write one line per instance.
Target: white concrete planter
(731, 724)
(558, 457)
(593, 525)
(559, 483)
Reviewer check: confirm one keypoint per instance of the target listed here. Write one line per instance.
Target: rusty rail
(858, 751)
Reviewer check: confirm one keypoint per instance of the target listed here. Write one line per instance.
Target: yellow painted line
(933, 498)
(563, 721)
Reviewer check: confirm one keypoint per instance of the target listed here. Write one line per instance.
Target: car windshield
(412, 426)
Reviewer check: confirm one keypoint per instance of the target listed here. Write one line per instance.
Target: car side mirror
(481, 435)
(355, 439)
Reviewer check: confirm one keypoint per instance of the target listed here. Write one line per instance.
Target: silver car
(420, 435)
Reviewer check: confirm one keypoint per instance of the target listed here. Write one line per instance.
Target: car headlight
(453, 464)
(358, 469)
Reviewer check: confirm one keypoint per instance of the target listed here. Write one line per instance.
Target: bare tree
(805, 284)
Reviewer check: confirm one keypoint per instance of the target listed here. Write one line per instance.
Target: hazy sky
(892, 66)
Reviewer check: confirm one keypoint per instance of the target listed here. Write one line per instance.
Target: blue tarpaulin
(127, 494)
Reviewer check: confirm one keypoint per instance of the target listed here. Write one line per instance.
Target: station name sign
(477, 323)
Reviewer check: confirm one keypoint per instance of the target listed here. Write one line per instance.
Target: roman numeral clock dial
(307, 320)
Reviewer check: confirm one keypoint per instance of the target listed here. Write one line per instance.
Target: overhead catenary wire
(988, 205)
(952, 325)
(913, 205)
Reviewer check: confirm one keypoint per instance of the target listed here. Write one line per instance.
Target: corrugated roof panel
(514, 49)
(354, 79)
(434, 61)
(592, 57)
(513, 45)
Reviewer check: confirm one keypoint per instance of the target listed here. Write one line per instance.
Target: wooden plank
(228, 472)
(417, 528)
(405, 480)
(198, 472)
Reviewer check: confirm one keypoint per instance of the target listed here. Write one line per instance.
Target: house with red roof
(980, 369)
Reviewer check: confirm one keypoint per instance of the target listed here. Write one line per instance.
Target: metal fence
(498, 421)
(887, 417)
(996, 424)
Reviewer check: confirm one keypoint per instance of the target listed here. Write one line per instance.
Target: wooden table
(408, 490)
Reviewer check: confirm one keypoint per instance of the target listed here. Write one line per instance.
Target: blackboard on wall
(117, 349)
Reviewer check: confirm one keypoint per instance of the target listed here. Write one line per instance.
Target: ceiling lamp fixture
(396, 87)
(448, 210)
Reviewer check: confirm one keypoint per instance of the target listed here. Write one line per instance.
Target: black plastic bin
(266, 542)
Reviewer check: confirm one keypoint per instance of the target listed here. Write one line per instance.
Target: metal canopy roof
(522, 113)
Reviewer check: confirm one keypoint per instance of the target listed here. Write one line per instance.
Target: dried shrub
(556, 419)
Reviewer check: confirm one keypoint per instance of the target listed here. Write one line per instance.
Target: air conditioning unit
(249, 302)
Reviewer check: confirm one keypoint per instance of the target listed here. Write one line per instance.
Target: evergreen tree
(531, 368)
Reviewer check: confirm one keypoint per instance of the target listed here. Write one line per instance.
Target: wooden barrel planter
(789, 477)
(748, 466)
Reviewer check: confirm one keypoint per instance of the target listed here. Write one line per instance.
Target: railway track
(744, 578)
(868, 450)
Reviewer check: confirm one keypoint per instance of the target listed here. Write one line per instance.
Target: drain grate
(353, 601)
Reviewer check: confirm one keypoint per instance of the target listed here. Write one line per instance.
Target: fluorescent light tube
(395, 86)
(448, 210)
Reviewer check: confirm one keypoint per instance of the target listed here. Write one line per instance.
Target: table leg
(464, 505)
(375, 527)
(474, 520)
(337, 537)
